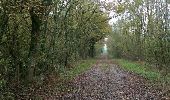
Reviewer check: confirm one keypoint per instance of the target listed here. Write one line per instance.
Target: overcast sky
(113, 20)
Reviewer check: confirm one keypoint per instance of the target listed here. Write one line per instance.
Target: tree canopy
(42, 37)
(142, 32)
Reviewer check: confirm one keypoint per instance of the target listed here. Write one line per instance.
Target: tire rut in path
(106, 81)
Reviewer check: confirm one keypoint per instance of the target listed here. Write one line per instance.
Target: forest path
(107, 81)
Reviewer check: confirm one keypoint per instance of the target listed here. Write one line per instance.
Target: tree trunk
(35, 33)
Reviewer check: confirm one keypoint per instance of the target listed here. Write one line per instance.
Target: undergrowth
(78, 69)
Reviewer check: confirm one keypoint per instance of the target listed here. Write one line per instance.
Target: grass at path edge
(143, 70)
(78, 69)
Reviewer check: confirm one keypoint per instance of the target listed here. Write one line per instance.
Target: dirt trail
(106, 81)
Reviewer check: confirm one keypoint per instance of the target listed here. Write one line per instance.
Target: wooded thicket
(142, 32)
(39, 38)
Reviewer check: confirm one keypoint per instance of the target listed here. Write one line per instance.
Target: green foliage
(41, 37)
(140, 33)
(120, 9)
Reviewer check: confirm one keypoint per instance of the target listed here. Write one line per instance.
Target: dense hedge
(142, 32)
(40, 37)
